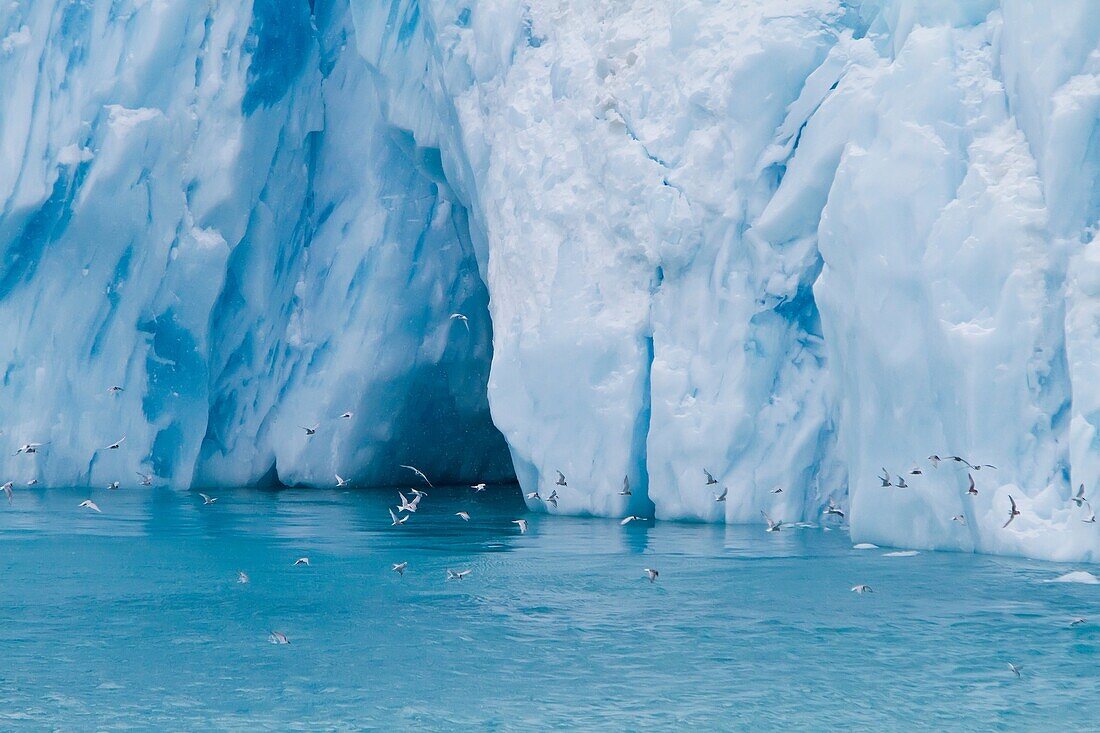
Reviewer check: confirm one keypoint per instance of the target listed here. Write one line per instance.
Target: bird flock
(1012, 511)
(408, 505)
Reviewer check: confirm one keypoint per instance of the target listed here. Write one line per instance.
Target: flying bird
(399, 567)
(419, 473)
(457, 574)
(834, 510)
(278, 637)
(1079, 497)
(406, 505)
(652, 574)
(722, 496)
(113, 486)
(960, 518)
(972, 491)
(710, 479)
(522, 524)
(1078, 621)
(935, 460)
(242, 577)
(346, 416)
(89, 504)
(146, 479)
(207, 499)
(901, 483)
(32, 482)
(960, 459)
(464, 516)
(29, 448)
(915, 471)
(340, 481)
(553, 498)
(984, 465)
(861, 589)
(628, 520)
(396, 521)
(1013, 512)
(478, 488)
(561, 479)
(1091, 519)
(776, 490)
(533, 495)
(418, 493)
(1015, 668)
(625, 490)
(464, 319)
(885, 479)
(115, 389)
(117, 444)
(6, 488)
(302, 561)
(310, 431)
(773, 526)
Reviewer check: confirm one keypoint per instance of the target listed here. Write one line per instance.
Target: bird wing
(1013, 503)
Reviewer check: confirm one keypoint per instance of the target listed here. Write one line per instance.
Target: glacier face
(790, 242)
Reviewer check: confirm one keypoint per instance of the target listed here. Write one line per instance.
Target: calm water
(134, 618)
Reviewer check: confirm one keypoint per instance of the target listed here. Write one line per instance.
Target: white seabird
(522, 524)
(399, 567)
(464, 319)
(1079, 498)
(89, 504)
(419, 473)
(1013, 512)
(772, 525)
(406, 505)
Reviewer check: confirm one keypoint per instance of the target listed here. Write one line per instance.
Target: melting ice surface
(141, 621)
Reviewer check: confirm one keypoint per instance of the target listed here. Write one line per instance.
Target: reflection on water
(135, 618)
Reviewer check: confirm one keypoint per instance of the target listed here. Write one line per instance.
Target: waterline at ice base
(836, 255)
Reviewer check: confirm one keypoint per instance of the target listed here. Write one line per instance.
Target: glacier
(789, 242)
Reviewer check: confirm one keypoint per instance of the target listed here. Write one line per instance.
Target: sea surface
(135, 619)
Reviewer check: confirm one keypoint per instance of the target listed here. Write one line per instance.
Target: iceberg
(788, 243)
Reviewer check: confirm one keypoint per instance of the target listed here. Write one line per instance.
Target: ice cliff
(791, 242)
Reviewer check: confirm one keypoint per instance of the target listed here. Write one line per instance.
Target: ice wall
(203, 204)
(789, 242)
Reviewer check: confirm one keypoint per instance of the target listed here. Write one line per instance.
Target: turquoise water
(135, 618)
